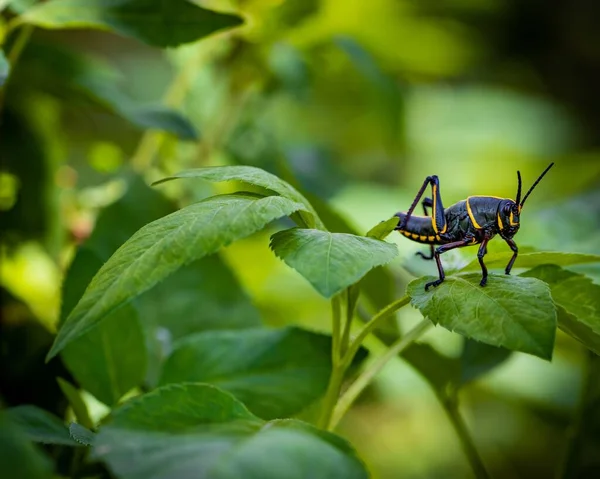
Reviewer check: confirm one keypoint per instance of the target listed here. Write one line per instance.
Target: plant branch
(450, 406)
(367, 376)
(371, 325)
(351, 294)
(337, 368)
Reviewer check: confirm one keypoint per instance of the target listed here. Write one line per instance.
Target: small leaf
(383, 229)
(330, 261)
(76, 402)
(274, 372)
(530, 260)
(155, 22)
(41, 426)
(197, 430)
(19, 457)
(82, 435)
(513, 312)
(580, 299)
(478, 359)
(4, 69)
(162, 247)
(256, 177)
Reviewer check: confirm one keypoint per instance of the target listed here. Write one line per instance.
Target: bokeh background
(355, 102)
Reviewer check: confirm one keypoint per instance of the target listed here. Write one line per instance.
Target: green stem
(351, 296)
(337, 368)
(367, 376)
(450, 405)
(571, 459)
(371, 325)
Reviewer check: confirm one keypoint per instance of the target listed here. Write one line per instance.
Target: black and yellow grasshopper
(475, 220)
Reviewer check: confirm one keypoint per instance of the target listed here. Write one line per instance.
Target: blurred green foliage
(354, 103)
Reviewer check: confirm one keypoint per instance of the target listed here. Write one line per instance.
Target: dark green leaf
(19, 457)
(579, 297)
(256, 177)
(155, 22)
(274, 372)
(530, 260)
(82, 435)
(330, 261)
(4, 68)
(514, 312)
(40, 425)
(196, 430)
(76, 402)
(204, 295)
(110, 360)
(162, 247)
(478, 359)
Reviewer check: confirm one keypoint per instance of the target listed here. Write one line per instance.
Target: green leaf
(383, 229)
(155, 22)
(162, 247)
(174, 303)
(514, 312)
(579, 297)
(110, 360)
(274, 372)
(256, 177)
(530, 260)
(19, 457)
(330, 261)
(4, 68)
(478, 359)
(82, 435)
(76, 402)
(197, 430)
(41, 426)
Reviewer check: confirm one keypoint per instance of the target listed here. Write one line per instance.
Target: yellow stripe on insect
(511, 218)
(434, 209)
(431, 238)
(500, 224)
(471, 214)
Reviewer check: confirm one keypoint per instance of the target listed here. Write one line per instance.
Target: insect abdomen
(419, 228)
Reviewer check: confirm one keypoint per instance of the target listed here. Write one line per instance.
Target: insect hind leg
(438, 219)
(427, 203)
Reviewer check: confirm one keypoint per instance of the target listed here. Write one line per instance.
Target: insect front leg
(480, 254)
(515, 249)
(442, 249)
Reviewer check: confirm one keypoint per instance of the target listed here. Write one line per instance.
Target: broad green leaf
(274, 372)
(478, 359)
(76, 401)
(81, 434)
(531, 260)
(330, 261)
(163, 246)
(256, 177)
(155, 22)
(40, 425)
(202, 296)
(19, 457)
(110, 360)
(514, 312)
(580, 299)
(197, 430)
(4, 68)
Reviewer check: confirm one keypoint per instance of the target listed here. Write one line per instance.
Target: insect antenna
(519, 187)
(535, 184)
